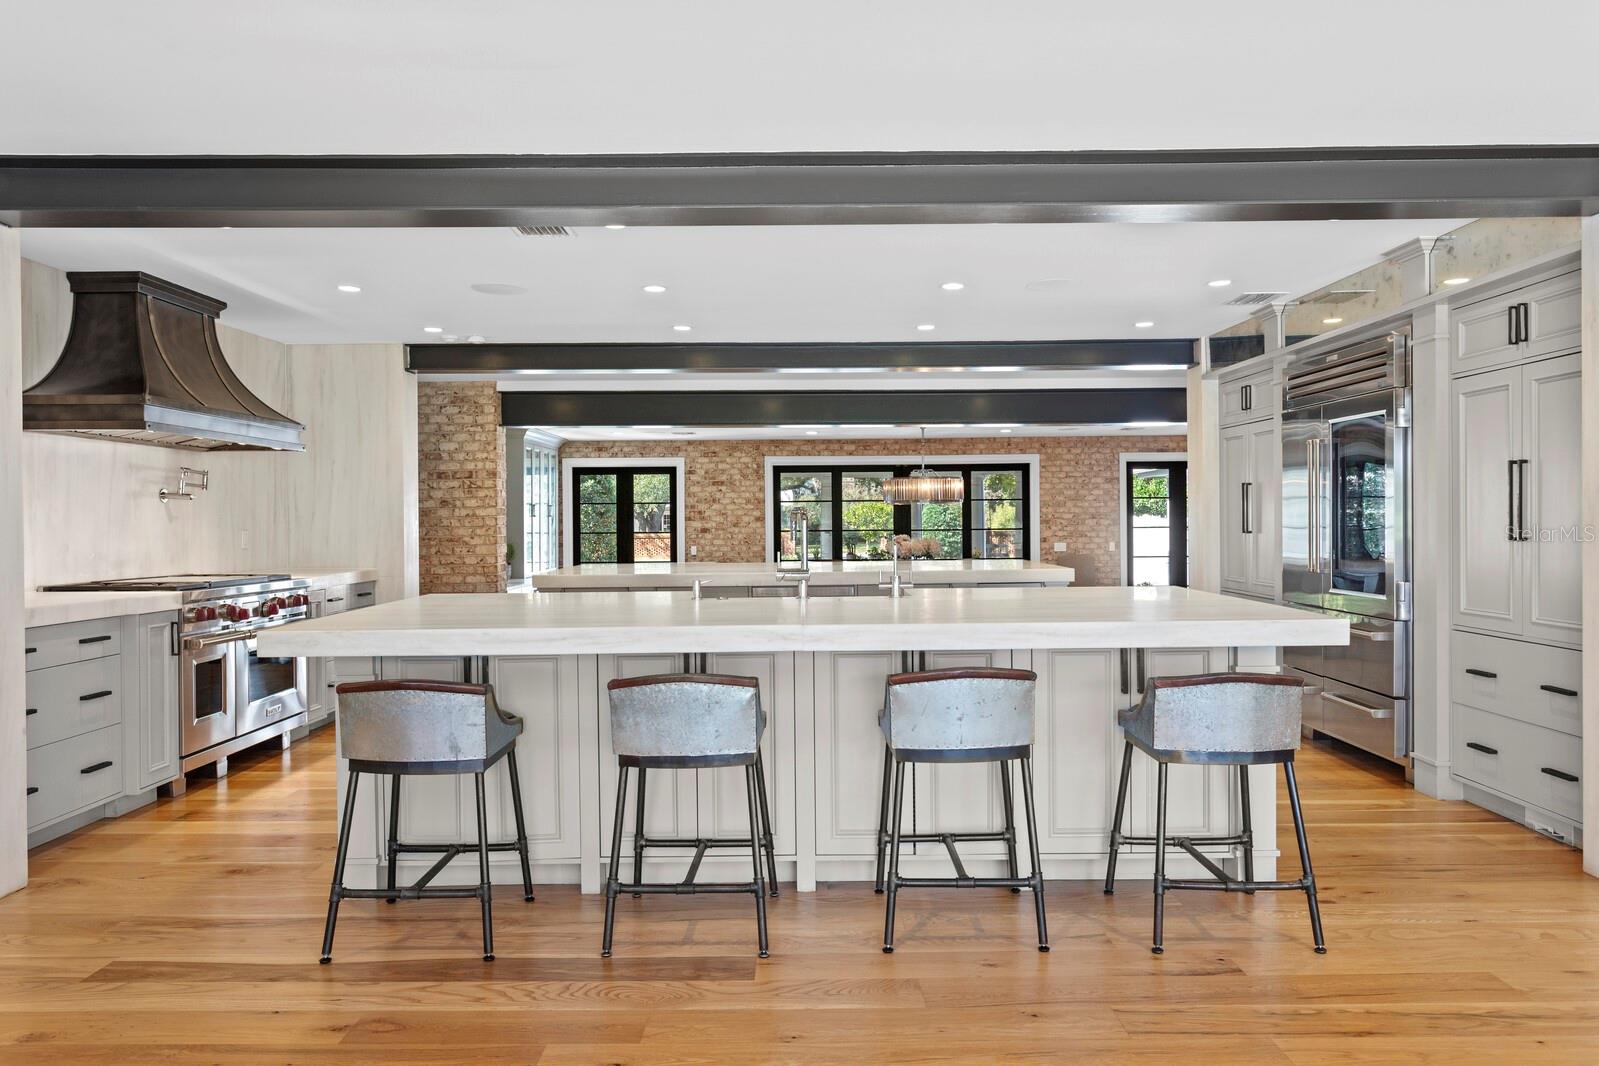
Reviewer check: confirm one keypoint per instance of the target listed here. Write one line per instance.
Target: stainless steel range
(231, 696)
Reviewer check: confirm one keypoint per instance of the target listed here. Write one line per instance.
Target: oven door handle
(1375, 712)
(201, 643)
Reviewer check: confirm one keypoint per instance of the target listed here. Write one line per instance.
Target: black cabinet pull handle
(32, 789)
(96, 768)
(1123, 671)
(32, 650)
(362, 595)
(1474, 672)
(1561, 774)
(1485, 749)
(94, 640)
(30, 712)
(335, 599)
(1558, 691)
(1526, 318)
(1510, 323)
(95, 696)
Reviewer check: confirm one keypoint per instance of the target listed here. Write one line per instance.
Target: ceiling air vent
(1341, 296)
(544, 231)
(1253, 299)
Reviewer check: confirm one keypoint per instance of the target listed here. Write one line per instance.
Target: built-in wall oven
(1346, 536)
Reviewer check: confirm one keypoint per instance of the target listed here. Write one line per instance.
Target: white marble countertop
(53, 608)
(926, 619)
(683, 575)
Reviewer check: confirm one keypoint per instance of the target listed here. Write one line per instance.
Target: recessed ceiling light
(952, 286)
(655, 288)
(1047, 284)
(682, 329)
(926, 327)
(349, 288)
(1143, 325)
(432, 329)
(498, 288)
(1220, 283)
(475, 339)
(1456, 281)
(615, 225)
(1331, 321)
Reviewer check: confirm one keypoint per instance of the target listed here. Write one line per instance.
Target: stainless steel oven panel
(208, 687)
(262, 704)
(1369, 720)
(1377, 656)
(1304, 509)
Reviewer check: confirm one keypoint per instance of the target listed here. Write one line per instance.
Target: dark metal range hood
(142, 364)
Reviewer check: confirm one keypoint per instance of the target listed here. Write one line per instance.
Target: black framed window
(624, 514)
(1157, 523)
(849, 520)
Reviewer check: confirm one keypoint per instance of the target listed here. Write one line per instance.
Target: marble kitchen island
(826, 578)
(821, 664)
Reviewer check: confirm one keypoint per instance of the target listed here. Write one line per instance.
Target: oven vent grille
(1361, 370)
(1254, 299)
(544, 231)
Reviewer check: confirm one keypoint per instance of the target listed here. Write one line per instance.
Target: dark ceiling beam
(1026, 406)
(803, 188)
(504, 359)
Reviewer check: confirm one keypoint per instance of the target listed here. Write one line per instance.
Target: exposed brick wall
(461, 470)
(724, 486)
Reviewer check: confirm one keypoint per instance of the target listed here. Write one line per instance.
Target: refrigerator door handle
(1310, 506)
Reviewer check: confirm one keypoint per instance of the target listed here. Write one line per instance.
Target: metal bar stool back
(961, 715)
(404, 728)
(688, 721)
(1240, 720)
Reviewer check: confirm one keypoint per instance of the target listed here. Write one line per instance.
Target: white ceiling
(735, 283)
(419, 76)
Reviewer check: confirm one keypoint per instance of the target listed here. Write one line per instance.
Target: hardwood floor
(188, 933)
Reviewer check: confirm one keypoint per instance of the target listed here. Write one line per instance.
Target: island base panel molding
(823, 755)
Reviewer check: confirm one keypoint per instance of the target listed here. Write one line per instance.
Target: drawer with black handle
(74, 774)
(1530, 682)
(72, 642)
(65, 701)
(1528, 763)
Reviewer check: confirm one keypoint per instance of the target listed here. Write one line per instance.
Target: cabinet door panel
(1265, 556)
(1483, 335)
(1552, 432)
(156, 719)
(724, 810)
(1197, 796)
(849, 749)
(1077, 750)
(1488, 434)
(962, 797)
(433, 809)
(542, 691)
(1236, 547)
(1554, 316)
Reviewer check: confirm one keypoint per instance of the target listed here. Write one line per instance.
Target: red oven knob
(205, 614)
(269, 608)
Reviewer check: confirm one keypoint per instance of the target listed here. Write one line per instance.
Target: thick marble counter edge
(595, 576)
(926, 620)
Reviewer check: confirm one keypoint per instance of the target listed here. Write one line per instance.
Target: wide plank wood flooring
(189, 932)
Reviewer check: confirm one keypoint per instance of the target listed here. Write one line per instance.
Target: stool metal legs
(891, 837)
(483, 891)
(759, 841)
(337, 892)
(1223, 882)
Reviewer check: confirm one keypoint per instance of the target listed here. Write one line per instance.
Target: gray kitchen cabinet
(1251, 473)
(1531, 322)
(1249, 397)
(1517, 447)
(153, 732)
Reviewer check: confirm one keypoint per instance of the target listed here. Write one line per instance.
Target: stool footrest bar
(963, 882)
(688, 889)
(414, 892)
(1237, 886)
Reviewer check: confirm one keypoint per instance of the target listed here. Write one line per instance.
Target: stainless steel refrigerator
(1346, 536)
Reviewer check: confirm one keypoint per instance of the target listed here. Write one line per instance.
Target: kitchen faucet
(800, 534)
(896, 586)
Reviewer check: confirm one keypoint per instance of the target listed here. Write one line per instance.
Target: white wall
(349, 500)
(13, 741)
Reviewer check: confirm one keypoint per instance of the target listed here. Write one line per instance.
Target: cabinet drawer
(1529, 763)
(65, 701)
(364, 594)
(1365, 719)
(1528, 323)
(73, 642)
(1529, 682)
(336, 599)
(1248, 398)
(74, 773)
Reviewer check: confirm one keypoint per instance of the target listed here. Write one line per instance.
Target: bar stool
(680, 722)
(956, 716)
(1240, 720)
(402, 728)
